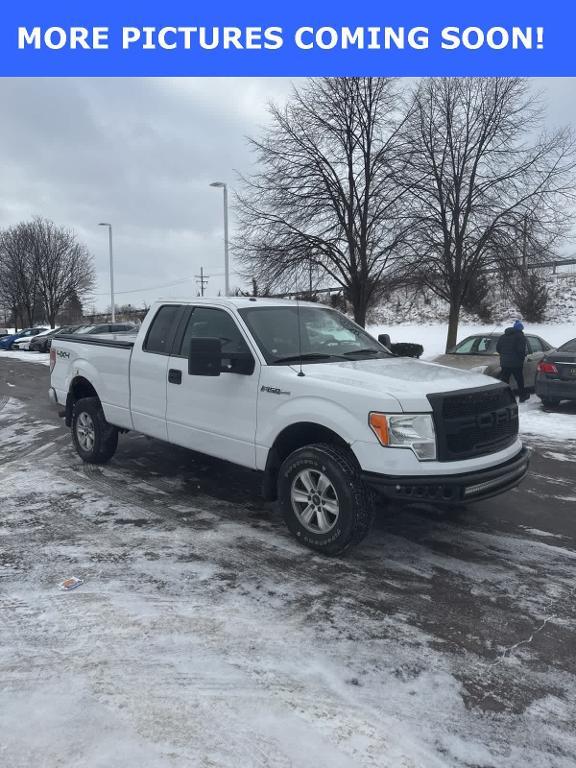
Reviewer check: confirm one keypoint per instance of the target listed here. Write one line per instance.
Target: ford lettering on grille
(474, 422)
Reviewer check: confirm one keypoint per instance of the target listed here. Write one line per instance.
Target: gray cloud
(141, 153)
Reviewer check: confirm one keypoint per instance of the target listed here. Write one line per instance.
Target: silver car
(478, 353)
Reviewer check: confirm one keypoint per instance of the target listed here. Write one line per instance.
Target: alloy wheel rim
(315, 501)
(85, 431)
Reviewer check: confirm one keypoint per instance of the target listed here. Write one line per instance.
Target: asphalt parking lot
(204, 635)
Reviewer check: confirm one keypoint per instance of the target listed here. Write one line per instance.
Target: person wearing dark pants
(512, 349)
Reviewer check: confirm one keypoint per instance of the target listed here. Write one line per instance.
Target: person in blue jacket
(512, 348)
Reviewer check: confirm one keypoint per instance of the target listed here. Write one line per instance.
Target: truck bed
(104, 360)
(121, 340)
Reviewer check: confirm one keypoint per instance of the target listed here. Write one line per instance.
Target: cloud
(141, 153)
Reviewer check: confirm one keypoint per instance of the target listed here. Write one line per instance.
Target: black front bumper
(452, 489)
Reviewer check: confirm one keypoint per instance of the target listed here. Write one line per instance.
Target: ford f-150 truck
(301, 393)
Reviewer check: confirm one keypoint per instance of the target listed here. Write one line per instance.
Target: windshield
(325, 335)
(476, 345)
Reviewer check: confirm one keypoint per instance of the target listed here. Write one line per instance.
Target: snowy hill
(403, 307)
(424, 319)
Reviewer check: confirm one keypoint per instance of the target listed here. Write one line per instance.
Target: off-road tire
(105, 435)
(356, 500)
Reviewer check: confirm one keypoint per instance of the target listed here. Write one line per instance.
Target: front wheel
(94, 439)
(324, 501)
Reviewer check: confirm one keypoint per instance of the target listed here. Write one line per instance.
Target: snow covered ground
(28, 357)
(204, 636)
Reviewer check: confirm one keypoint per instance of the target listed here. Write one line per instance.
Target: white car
(24, 342)
(302, 394)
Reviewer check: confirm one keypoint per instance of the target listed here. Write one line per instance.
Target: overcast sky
(141, 154)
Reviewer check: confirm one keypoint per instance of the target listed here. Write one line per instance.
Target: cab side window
(205, 322)
(161, 332)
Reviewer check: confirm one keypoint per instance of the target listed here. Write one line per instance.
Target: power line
(159, 287)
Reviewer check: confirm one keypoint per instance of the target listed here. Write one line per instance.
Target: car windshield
(286, 334)
(476, 345)
(569, 346)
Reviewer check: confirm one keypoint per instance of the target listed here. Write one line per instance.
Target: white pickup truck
(301, 393)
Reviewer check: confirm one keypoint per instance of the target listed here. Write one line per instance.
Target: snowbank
(553, 425)
(29, 357)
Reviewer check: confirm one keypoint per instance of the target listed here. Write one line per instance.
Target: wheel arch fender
(293, 432)
(81, 384)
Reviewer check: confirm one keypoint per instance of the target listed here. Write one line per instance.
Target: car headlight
(411, 430)
(479, 369)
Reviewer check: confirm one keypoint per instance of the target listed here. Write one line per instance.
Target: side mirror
(385, 340)
(204, 357)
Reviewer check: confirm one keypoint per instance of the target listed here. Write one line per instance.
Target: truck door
(215, 415)
(149, 372)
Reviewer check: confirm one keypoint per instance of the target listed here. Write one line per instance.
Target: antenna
(300, 372)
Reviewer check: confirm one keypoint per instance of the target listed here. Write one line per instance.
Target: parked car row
(549, 371)
(39, 339)
(7, 342)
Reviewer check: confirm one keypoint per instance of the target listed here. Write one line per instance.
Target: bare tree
(478, 172)
(42, 267)
(325, 196)
(18, 276)
(64, 266)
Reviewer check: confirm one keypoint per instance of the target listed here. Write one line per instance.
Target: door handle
(174, 376)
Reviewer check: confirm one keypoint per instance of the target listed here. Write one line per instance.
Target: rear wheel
(94, 439)
(324, 501)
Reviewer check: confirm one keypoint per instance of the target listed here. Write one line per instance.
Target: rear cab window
(162, 330)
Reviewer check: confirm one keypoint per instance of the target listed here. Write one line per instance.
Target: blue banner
(256, 38)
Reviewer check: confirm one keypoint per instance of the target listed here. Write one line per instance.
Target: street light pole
(224, 187)
(105, 224)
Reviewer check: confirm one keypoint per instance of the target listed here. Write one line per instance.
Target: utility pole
(111, 256)
(202, 280)
(221, 185)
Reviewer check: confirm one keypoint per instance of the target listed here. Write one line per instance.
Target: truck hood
(406, 379)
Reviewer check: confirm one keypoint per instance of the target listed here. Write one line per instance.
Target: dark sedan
(44, 343)
(556, 375)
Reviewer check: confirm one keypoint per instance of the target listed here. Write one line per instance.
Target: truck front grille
(474, 422)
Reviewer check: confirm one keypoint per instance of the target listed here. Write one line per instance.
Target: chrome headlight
(411, 430)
